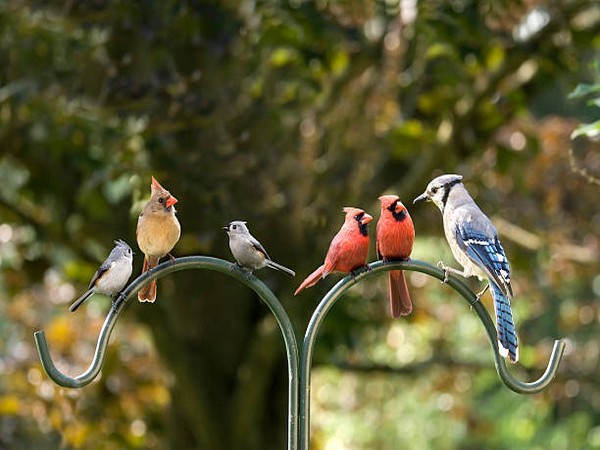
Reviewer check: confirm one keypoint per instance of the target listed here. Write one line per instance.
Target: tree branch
(417, 368)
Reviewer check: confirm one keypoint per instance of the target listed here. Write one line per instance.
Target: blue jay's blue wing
(485, 250)
(487, 253)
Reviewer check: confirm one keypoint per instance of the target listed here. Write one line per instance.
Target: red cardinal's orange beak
(171, 201)
(399, 207)
(366, 219)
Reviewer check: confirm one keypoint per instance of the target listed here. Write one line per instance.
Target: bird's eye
(161, 200)
(434, 190)
(234, 227)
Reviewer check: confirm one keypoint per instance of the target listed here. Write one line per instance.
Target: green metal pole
(185, 263)
(347, 282)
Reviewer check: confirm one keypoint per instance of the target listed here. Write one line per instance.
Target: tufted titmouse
(112, 276)
(158, 231)
(247, 251)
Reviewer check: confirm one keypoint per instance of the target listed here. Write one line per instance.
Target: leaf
(9, 405)
(583, 90)
(591, 130)
(495, 57)
(339, 62)
(438, 50)
(282, 56)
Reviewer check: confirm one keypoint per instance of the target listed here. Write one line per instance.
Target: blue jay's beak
(421, 198)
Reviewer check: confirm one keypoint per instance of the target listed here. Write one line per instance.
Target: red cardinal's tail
(400, 303)
(312, 279)
(148, 292)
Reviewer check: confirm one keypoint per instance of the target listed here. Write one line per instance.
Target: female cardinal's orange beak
(171, 201)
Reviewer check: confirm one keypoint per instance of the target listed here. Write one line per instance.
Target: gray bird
(112, 276)
(247, 251)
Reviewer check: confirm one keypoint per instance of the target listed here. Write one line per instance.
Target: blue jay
(247, 251)
(112, 275)
(475, 245)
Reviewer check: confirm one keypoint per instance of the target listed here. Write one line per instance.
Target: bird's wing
(258, 246)
(486, 251)
(105, 267)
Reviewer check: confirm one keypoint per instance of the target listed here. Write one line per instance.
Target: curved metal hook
(185, 263)
(347, 282)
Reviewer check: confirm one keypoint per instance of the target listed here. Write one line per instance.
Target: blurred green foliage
(281, 113)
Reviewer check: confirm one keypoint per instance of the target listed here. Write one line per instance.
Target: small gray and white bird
(112, 276)
(475, 245)
(247, 251)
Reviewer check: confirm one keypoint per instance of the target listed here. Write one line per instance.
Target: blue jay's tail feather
(507, 335)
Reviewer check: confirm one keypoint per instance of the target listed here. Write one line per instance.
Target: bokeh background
(281, 113)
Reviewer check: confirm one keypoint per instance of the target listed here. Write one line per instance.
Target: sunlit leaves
(592, 92)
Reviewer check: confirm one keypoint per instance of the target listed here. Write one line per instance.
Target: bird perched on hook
(157, 232)
(475, 245)
(395, 238)
(112, 275)
(248, 252)
(348, 250)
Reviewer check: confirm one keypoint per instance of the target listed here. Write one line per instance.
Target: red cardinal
(348, 250)
(158, 231)
(395, 237)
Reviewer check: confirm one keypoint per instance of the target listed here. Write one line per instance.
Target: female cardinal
(348, 249)
(158, 231)
(395, 237)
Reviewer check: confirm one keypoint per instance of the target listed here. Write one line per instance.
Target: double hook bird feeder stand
(299, 363)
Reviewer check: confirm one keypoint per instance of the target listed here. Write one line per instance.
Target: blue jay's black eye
(434, 190)
(234, 227)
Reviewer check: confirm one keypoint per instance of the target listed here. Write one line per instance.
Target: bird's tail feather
(148, 292)
(311, 280)
(507, 335)
(77, 303)
(400, 302)
(277, 266)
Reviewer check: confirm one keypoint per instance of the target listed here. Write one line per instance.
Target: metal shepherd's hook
(299, 368)
(185, 263)
(343, 285)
